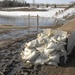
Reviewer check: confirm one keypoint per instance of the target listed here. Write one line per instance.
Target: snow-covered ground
(67, 12)
(50, 13)
(41, 8)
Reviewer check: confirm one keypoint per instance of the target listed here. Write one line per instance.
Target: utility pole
(33, 3)
(14, 2)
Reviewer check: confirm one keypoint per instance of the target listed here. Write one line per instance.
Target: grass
(26, 27)
(23, 9)
(12, 27)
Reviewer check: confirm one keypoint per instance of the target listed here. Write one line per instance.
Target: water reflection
(24, 21)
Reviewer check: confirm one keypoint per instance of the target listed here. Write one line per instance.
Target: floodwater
(25, 20)
(16, 33)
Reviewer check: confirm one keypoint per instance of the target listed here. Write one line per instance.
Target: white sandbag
(43, 55)
(47, 48)
(52, 63)
(56, 45)
(41, 41)
(40, 35)
(48, 51)
(62, 38)
(43, 37)
(58, 39)
(54, 58)
(60, 33)
(47, 31)
(63, 51)
(22, 55)
(26, 52)
(32, 44)
(41, 49)
(40, 60)
(52, 45)
(53, 39)
(32, 56)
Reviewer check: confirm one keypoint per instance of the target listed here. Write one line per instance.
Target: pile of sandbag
(47, 48)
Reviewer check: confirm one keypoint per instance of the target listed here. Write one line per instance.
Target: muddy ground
(10, 60)
(12, 64)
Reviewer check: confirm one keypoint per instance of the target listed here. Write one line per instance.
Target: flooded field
(25, 21)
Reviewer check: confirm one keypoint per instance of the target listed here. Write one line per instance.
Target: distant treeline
(13, 4)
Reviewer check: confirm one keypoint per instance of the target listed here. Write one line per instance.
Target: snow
(49, 8)
(49, 13)
(13, 8)
(67, 12)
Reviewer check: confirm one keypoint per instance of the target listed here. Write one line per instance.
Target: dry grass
(12, 27)
(24, 9)
(26, 27)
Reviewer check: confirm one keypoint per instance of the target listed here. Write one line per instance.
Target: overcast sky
(47, 1)
(50, 1)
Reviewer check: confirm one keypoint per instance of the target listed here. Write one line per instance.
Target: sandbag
(41, 49)
(60, 33)
(22, 55)
(32, 56)
(25, 53)
(48, 51)
(40, 60)
(47, 48)
(63, 51)
(54, 58)
(41, 41)
(43, 55)
(32, 44)
(28, 51)
(47, 31)
(40, 35)
(52, 45)
(60, 38)
(52, 63)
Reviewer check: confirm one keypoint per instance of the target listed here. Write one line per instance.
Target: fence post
(28, 23)
(37, 23)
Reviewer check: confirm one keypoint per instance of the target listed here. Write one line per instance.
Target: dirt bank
(69, 27)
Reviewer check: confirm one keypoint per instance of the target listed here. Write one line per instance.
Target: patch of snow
(65, 13)
(50, 13)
